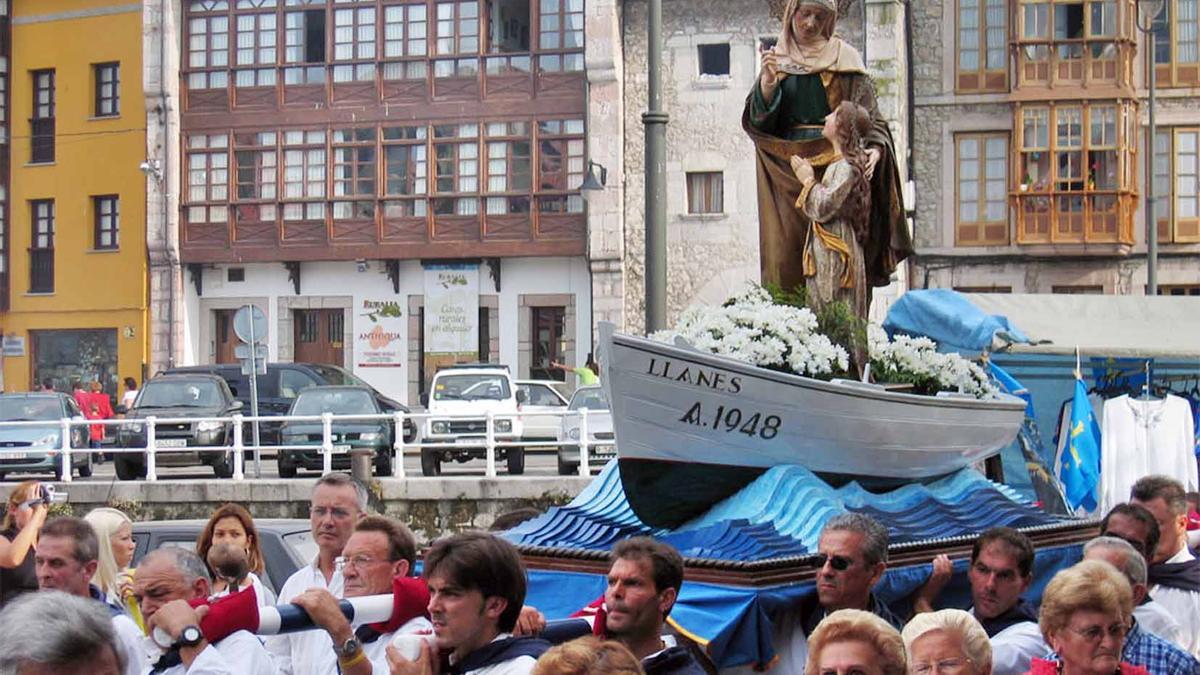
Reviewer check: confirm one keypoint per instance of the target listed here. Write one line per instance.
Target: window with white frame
(560, 165)
(405, 36)
(1177, 184)
(208, 178)
(560, 29)
(509, 168)
(304, 175)
(208, 52)
(256, 176)
(255, 55)
(456, 169)
(304, 47)
(354, 41)
(406, 166)
(353, 173)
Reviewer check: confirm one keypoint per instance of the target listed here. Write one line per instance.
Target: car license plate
(343, 448)
(470, 442)
(13, 455)
(172, 443)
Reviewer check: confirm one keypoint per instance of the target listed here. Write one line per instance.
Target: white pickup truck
(465, 394)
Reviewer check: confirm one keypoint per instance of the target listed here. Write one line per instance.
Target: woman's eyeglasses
(837, 562)
(948, 666)
(1097, 633)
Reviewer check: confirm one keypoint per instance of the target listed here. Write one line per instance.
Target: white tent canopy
(1137, 326)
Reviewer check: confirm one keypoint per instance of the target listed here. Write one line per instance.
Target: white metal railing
(234, 426)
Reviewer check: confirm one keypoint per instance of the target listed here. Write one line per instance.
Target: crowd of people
(72, 604)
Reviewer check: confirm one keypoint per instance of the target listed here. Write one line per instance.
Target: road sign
(243, 351)
(250, 324)
(262, 370)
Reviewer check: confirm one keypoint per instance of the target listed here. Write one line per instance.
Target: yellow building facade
(76, 233)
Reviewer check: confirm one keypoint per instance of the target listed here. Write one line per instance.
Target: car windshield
(592, 399)
(337, 376)
(470, 387)
(340, 402)
(180, 394)
(28, 408)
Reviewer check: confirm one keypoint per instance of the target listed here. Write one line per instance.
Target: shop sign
(379, 334)
(13, 345)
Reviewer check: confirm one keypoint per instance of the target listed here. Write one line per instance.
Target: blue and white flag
(1080, 472)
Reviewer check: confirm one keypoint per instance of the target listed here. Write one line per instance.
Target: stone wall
(710, 256)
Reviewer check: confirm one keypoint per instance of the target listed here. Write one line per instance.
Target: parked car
(601, 446)
(277, 389)
(347, 435)
(286, 543)
(35, 448)
(540, 414)
(471, 389)
(178, 443)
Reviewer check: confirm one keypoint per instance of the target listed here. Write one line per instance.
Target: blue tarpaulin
(780, 515)
(950, 319)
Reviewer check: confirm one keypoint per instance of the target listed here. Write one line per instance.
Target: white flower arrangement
(916, 360)
(751, 327)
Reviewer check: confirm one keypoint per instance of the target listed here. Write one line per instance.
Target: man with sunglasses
(337, 504)
(379, 550)
(850, 560)
(1136, 526)
(1142, 647)
(1000, 573)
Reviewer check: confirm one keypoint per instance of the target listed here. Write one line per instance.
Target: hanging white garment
(1142, 438)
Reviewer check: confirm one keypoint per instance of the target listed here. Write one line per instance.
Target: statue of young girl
(836, 207)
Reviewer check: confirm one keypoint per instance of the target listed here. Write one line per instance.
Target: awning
(1131, 326)
(1137, 326)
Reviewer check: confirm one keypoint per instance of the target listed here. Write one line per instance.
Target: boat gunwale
(1006, 402)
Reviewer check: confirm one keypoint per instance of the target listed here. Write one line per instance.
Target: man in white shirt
(1000, 573)
(1174, 571)
(476, 588)
(1136, 526)
(66, 558)
(55, 633)
(166, 580)
(337, 503)
(380, 550)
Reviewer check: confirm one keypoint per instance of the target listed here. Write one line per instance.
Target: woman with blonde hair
(1086, 612)
(947, 641)
(854, 641)
(114, 532)
(23, 519)
(588, 656)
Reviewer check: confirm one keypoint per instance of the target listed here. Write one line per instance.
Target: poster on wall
(451, 314)
(379, 334)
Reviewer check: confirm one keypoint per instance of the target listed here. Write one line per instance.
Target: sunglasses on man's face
(837, 562)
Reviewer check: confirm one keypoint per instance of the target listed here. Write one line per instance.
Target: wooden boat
(693, 428)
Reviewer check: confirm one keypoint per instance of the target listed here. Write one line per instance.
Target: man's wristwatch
(348, 649)
(190, 636)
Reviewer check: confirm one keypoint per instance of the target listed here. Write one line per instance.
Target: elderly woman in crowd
(1086, 612)
(947, 641)
(588, 656)
(853, 641)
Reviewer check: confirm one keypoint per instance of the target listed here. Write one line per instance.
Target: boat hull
(687, 420)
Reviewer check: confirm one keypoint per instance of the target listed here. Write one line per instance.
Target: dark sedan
(35, 448)
(374, 435)
(286, 543)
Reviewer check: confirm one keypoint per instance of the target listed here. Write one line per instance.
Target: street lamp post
(1147, 12)
(655, 121)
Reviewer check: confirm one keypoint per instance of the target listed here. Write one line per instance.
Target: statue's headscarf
(835, 55)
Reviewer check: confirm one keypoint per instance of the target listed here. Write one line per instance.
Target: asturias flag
(1080, 471)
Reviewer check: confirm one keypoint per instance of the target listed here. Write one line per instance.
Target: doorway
(224, 336)
(319, 336)
(549, 327)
